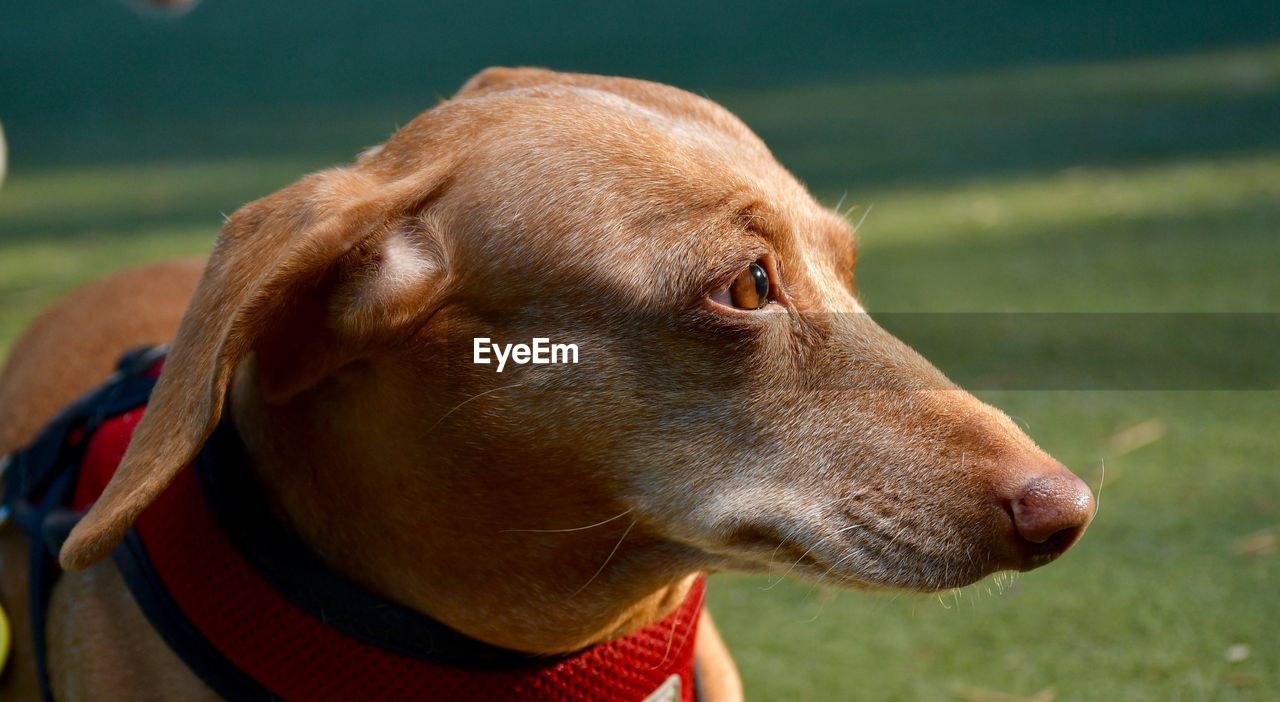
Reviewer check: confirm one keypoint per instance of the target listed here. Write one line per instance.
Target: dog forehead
(544, 131)
(656, 96)
(567, 176)
(692, 128)
(583, 169)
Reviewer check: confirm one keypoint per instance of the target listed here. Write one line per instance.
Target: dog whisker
(1102, 479)
(839, 562)
(702, 598)
(469, 399)
(810, 550)
(774, 555)
(606, 560)
(783, 542)
(862, 219)
(827, 596)
(561, 531)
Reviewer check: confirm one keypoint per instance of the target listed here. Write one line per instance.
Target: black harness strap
(40, 481)
(302, 579)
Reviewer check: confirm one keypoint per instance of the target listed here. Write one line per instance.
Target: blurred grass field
(1145, 183)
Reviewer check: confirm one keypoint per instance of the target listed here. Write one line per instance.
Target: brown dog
(732, 406)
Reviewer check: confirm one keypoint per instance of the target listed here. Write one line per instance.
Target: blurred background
(1024, 158)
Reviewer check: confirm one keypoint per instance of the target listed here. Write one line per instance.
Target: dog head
(732, 402)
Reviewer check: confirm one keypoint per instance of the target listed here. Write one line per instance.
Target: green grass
(1102, 186)
(1144, 608)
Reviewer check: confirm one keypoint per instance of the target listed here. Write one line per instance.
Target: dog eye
(748, 291)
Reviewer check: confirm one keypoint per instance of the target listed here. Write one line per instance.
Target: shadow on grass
(1213, 259)
(117, 202)
(1023, 121)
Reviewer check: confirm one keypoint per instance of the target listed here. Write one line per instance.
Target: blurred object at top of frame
(162, 7)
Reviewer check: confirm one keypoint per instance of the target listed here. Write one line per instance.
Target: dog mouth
(862, 561)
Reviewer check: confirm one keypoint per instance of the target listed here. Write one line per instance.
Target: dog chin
(886, 577)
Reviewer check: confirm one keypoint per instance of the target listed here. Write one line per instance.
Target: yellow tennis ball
(4, 639)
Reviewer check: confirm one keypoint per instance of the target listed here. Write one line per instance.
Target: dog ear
(302, 278)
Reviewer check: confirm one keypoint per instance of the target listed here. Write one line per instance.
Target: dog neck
(504, 552)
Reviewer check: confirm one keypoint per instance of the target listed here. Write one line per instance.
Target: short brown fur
(333, 323)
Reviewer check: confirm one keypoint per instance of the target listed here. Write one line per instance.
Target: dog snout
(1050, 511)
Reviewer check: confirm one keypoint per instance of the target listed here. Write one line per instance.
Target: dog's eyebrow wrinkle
(754, 213)
(581, 528)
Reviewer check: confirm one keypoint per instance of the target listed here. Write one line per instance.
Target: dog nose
(1050, 513)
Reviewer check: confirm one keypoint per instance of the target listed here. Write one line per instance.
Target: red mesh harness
(248, 639)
